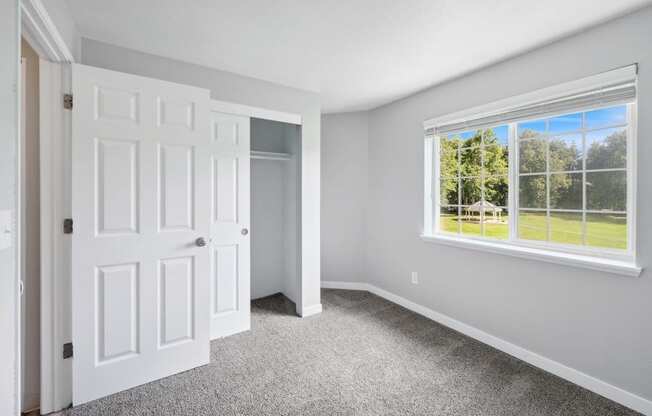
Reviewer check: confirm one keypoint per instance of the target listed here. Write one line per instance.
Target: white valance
(609, 88)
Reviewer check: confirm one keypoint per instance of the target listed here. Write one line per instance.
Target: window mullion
(512, 188)
(548, 219)
(459, 188)
(584, 152)
(482, 202)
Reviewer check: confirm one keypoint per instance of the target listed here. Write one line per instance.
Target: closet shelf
(270, 155)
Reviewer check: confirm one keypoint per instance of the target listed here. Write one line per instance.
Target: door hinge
(67, 350)
(67, 101)
(67, 226)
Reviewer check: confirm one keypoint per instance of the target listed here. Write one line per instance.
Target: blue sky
(570, 122)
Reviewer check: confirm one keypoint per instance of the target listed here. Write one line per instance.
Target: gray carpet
(362, 356)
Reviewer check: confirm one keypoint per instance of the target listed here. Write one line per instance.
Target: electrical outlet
(415, 278)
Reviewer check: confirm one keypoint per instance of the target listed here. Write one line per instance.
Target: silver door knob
(244, 231)
(200, 242)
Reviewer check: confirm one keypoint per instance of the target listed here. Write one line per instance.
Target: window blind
(621, 92)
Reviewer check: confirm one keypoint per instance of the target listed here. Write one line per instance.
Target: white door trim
(54, 142)
(38, 29)
(40, 32)
(255, 112)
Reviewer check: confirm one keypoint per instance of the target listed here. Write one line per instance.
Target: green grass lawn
(602, 230)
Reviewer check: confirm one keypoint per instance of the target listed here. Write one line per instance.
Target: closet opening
(275, 212)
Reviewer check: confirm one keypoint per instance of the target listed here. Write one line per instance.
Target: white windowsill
(587, 262)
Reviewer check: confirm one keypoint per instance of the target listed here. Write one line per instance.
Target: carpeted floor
(362, 356)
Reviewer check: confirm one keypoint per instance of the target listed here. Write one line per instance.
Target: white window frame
(611, 260)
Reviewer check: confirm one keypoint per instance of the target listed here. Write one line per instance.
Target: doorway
(275, 208)
(30, 230)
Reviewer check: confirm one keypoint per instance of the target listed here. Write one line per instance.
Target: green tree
(607, 190)
(463, 159)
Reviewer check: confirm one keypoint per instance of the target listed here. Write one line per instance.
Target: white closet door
(140, 200)
(230, 242)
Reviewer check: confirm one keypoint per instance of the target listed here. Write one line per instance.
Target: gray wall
(230, 87)
(268, 178)
(344, 195)
(594, 322)
(9, 42)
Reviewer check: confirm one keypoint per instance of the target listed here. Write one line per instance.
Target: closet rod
(270, 155)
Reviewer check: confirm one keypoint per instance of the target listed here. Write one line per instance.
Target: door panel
(225, 193)
(176, 288)
(117, 320)
(116, 179)
(176, 187)
(225, 273)
(141, 196)
(230, 242)
(113, 104)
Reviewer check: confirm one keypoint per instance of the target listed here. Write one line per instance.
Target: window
(473, 174)
(572, 179)
(555, 175)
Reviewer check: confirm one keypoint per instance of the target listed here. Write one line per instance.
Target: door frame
(255, 112)
(282, 117)
(38, 29)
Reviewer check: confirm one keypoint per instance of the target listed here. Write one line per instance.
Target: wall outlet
(415, 278)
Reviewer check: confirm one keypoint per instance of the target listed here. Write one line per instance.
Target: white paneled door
(142, 262)
(230, 247)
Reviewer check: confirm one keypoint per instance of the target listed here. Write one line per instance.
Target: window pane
(566, 191)
(606, 149)
(448, 220)
(566, 227)
(449, 166)
(496, 160)
(471, 138)
(471, 161)
(532, 156)
(448, 192)
(606, 190)
(564, 123)
(496, 190)
(531, 129)
(566, 153)
(496, 223)
(470, 221)
(606, 117)
(532, 191)
(471, 190)
(449, 143)
(532, 226)
(606, 230)
(496, 136)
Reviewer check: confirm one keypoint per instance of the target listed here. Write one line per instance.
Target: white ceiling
(358, 54)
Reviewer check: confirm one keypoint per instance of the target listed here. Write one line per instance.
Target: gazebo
(481, 207)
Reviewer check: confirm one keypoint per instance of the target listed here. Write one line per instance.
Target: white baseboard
(593, 384)
(311, 310)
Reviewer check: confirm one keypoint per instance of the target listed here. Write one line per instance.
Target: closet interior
(275, 208)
